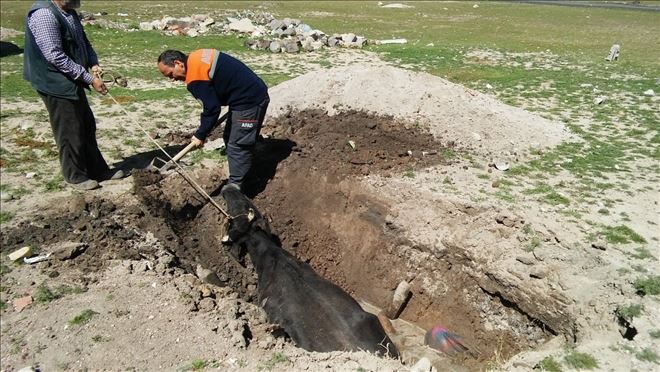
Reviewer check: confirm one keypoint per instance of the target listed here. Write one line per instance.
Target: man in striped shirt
(57, 57)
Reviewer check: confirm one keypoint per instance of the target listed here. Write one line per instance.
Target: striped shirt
(46, 31)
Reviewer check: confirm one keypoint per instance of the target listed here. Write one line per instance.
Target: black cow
(316, 314)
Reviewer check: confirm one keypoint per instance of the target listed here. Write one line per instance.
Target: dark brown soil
(305, 180)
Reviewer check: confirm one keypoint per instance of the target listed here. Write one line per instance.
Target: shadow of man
(268, 153)
(145, 159)
(9, 49)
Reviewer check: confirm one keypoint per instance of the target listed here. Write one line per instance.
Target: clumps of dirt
(195, 227)
(356, 142)
(476, 122)
(325, 216)
(306, 179)
(103, 228)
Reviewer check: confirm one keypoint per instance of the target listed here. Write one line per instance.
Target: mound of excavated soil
(470, 119)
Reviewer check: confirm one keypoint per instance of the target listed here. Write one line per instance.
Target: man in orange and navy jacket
(217, 79)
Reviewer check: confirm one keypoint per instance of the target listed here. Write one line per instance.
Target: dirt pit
(307, 181)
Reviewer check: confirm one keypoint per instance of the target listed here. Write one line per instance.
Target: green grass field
(561, 47)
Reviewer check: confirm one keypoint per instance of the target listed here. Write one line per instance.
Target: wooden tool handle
(183, 152)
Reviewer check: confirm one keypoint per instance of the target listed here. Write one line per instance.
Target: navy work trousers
(240, 135)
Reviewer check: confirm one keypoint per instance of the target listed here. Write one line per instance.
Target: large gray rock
(275, 47)
(276, 24)
(292, 47)
(348, 38)
(290, 31)
(332, 41)
(243, 25)
(263, 44)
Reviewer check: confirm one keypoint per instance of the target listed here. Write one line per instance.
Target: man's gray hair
(70, 4)
(169, 56)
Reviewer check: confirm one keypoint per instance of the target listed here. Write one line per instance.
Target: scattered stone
(142, 266)
(495, 184)
(527, 260)
(208, 276)
(615, 50)
(422, 365)
(20, 253)
(242, 25)
(206, 304)
(205, 290)
(275, 47)
(22, 303)
(27, 369)
(538, 273)
(30, 175)
(67, 250)
(5, 196)
(600, 245)
(399, 300)
(267, 343)
(598, 100)
(508, 221)
(291, 47)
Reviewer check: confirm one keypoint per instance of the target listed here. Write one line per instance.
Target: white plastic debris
(30, 174)
(649, 93)
(352, 144)
(397, 6)
(475, 6)
(35, 259)
(393, 41)
(503, 166)
(488, 86)
(598, 100)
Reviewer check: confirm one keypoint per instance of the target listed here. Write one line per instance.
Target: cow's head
(243, 215)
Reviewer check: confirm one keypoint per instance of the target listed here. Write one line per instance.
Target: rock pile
(188, 26)
(263, 31)
(98, 19)
(291, 36)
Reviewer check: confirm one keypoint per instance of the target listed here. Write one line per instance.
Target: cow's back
(318, 315)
